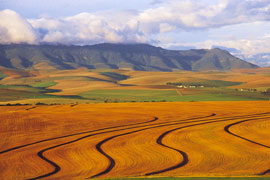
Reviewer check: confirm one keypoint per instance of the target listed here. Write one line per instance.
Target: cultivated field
(95, 86)
(120, 140)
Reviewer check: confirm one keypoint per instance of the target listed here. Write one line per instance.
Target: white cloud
(246, 47)
(149, 25)
(133, 26)
(15, 29)
(87, 28)
(192, 15)
(252, 50)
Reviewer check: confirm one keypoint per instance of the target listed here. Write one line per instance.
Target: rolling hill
(141, 57)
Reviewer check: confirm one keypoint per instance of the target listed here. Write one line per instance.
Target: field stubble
(135, 139)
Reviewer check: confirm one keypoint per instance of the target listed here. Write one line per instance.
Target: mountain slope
(114, 56)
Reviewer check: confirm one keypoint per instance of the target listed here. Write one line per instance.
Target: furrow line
(159, 141)
(101, 129)
(183, 154)
(227, 129)
(75, 134)
(57, 168)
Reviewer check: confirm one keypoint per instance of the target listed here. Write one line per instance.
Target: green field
(169, 95)
(21, 92)
(207, 83)
(47, 82)
(44, 84)
(130, 95)
(24, 88)
(39, 91)
(2, 76)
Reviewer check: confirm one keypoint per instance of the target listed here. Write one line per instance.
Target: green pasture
(169, 95)
(2, 75)
(25, 88)
(21, 92)
(45, 84)
(207, 83)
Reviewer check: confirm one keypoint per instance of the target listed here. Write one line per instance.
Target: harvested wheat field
(120, 140)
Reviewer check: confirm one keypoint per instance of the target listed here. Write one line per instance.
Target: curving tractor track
(75, 134)
(227, 129)
(57, 167)
(183, 154)
(115, 132)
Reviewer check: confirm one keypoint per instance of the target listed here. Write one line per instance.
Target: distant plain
(95, 86)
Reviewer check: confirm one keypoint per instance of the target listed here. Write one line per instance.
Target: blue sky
(243, 26)
(62, 8)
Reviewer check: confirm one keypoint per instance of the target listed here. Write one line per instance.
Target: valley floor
(99, 86)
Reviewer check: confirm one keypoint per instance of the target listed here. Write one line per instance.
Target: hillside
(141, 57)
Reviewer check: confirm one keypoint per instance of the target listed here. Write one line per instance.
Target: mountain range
(142, 57)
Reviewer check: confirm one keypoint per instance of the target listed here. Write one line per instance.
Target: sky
(240, 26)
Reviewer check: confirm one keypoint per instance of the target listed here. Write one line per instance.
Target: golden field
(111, 140)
